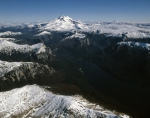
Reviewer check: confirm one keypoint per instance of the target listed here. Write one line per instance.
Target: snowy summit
(64, 23)
(64, 18)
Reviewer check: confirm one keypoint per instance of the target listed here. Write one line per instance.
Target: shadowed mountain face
(100, 61)
(129, 61)
(26, 73)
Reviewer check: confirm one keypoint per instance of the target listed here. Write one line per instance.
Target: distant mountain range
(65, 23)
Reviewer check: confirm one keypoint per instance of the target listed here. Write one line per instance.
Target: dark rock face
(27, 73)
(43, 58)
(131, 64)
(128, 63)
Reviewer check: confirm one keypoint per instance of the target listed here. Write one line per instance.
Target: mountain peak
(115, 21)
(64, 23)
(64, 18)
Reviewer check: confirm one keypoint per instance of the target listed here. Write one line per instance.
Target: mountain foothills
(42, 73)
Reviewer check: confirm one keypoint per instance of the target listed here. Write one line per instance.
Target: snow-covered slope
(136, 44)
(6, 67)
(7, 39)
(9, 33)
(8, 46)
(64, 23)
(33, 101)
(43, 33)
(76, 35)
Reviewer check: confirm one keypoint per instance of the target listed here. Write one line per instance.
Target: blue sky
(84, 10)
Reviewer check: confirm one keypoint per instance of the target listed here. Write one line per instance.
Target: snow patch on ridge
(43, 33)
(9, 33)
(137, 35)
(34, 101)
(76, 35)
(10, 46)
(135, 44)
(7, 39)
(6, 67)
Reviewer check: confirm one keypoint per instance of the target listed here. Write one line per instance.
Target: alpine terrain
(66, 68)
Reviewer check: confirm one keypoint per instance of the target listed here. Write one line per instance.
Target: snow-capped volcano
(64, 23)
(114, 29)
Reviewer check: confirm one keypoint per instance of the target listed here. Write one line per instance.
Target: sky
(84, 10)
